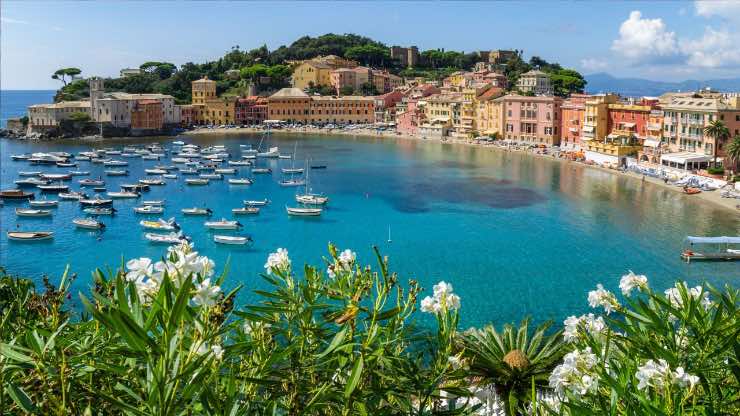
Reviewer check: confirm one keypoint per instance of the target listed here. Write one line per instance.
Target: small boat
(44, 203)
(53, 188)
(231, 239)
(130, 155)
(96, 202)
(99, 211)
(98, 160)
(720, 252)
(151, 181)
(100, 189)
(171, 238)
(30, 173)
(274, 152)
(91, 182)
(240, 181)
(155, 171)
(116, 172)
(292, 170)
(239, 163)
(150, 157)
(318, 166)
(88, 224)
(189, 171)
(169, 176)
(197, 211)
(16, 194)
(285, 157)
(72, 195)
(180, 160)
(20, 157)
(83, 158)
(223, 224)
(154, 202)
(30, 235)
(79, 172)
(245, 211)
(31, 182)
(123, 194)
(25, 212)
(178, 143)
(691, 190)
(56, 176)
(112, 152)
(312, 199)
(160, 224)
(303, 212)
(196, 181)
(66, 165)
(149, 209)
(115, 163)
(216, 176)
(252, 203)
(135, 187)
(293, 182)
(225, 171)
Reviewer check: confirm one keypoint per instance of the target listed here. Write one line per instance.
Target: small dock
(689, 257)
(723, 253)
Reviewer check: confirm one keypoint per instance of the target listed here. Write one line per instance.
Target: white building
(536, 82)
(115, 107)
(46, 116)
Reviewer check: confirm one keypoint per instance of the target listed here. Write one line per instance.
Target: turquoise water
(516, 235)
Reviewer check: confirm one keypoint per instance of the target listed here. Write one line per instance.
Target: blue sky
(656, 40)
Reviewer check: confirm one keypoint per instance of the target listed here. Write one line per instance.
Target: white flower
(205, 293)
(632, 281)
(147, 290)
(347, 258)
(184, 247)
(330, 272)
(655, 374)
(683, 379)
(452, 302)
(673, 295)
(576, 374)
(604, 298)
(217, 351)
(443, 299)
(595, 326)
(429, 305)
(139, 269)
(442, 289)
(278, 260)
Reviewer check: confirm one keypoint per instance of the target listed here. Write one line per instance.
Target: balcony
(611, 149)
(654, 126)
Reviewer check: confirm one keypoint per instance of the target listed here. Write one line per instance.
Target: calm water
(14, 103)
(516, 235)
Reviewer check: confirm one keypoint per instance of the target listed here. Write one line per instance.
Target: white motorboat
(53, 188)
(160, 224)
(273, 152)
(245, 211)
(171, 238)
(56, 176)
(239, 163)
(97, 201)
(197, 211)
(150, 157)
(225, 171)
(189, 171)
(112, 152)
(312, 199)
(180, 160)
(292, 170)
(123, 194)
(31, 182)
(88, 223)
(154, 202)
(261, 170)
(178, 143)
(91, 182)
(149, 209)
(30, 235)
(216, 176)
(293, 182)
(20, 157)
(303, 212)
(240, 181)
(151, 181)
(115, 163)
(66, 165)
(231, 239)
(30, 173)
(196, 181)
(79, 172)
(155, 171)
(223, 224)
(25, 212)
(257, 203)
(135, 187)
(72, 195)
(116, 172)
(169, 176)
(44, 203)
(130, 155)
(99, 211)
(285, 156)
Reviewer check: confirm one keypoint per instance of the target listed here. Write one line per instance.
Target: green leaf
(354, 377)
(12, 353)
(390, 313)
(21, 398)
(338, 337)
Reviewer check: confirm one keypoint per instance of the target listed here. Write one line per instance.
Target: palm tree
(733, 151)
(513, 361)
(717, 130)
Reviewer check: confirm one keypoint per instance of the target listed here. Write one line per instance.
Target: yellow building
(317, 71)
(203, 89)
(295, 106)
(489, 113)
(207, 107)
(596, 123)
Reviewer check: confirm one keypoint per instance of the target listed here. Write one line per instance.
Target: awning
(685, 157)
(651, 143)
(713, 240)
(573, 129)
(440, 119)
(628, 125)
(588, 129)
(612, 136)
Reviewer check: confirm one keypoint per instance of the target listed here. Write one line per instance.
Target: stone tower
(97, 89)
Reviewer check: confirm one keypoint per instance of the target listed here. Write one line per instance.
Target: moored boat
(240, 181)
(88, 224)
(149, 209)
(155, 171)
(216, 176)
(79, 172)
(156, 182)
(44, 203)
(113, 172)
(231, 239)
(196, 181)
(135, 187)
(52, 188)
(312, 199)
(30, 173)
(292, 170)
(256, 203)
(303, 212)
(91, 182)
(25, 212)
(261, 170)
(31, 182)
(245, 211)
(293, 182)
(226, 171)
(197, 211)
(153, 202)
(115, 163)
(222, 224)
(171, 238)
(72, 195)
(160, 224)
(97, 201)
(169, 176)
(16, 194)
(30, 235)
(56, 176)
(239, 163)
(123, 194)
(99, 211)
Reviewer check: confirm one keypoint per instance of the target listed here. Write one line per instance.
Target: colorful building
(596, 123)
(295, 106)
(317, 71)
(442, 113)
(291, 105)
(653, 145)
(250, 110)
(536, 82)
(572, 121)
(532, 120)
(488, 114)
(147, 115)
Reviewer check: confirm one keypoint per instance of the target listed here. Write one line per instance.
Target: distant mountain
(603, 82)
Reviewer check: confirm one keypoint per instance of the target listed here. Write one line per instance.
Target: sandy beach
(712, 197)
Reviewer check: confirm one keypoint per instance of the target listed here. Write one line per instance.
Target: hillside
(603, 82)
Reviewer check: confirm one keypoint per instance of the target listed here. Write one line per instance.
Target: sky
(663, 40)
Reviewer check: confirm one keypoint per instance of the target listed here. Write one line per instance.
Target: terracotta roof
(148, 102)
(490, 93)
(290, 93)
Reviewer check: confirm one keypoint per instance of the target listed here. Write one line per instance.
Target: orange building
(147, 115)
(574, 115)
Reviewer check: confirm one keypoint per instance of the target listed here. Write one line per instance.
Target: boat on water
(721, 252)
(135, 187)
(56, 176)
(231, 239)
(160, 224)
(99, 211)
(44, 203)
(311, 199)
(318, 166)
(51, 188)
(79, 172)
(216, 176)
(285, 156)
(197, 211)
(149, 209)
(178, 143)
(88, 224)
(225, 171)
(30, 235)
(169, 176)
(155, 171)
(256, 203)
(150, 157)
(273, 152)
(245, 211)
(261, 170)
(100, 189)
(239, 163)
(189, 171)
(30, 173)
(31, 182)
(66, 165)
(115, 163)
(116, 172)
(292, 182)
(123, 194)
(171, 238)
(180, 160)
(157, 182)
(153, 202)
(97, 201)
(292, 170)
(303, 211)
(196, 181)
(91, 182)
(16, 194)
(240, 181)
(223, 224)
(25, 212)
(20, 157)
(72, 196)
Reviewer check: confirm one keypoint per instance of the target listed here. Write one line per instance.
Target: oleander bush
(164, 338)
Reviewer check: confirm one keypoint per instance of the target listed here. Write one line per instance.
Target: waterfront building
(203, 89)
(289, 104)
(44, 117)
(407, 57)
(385, 82)
(295, 106)
(186, 115)
(317, 71)
(596, 108)
(409, 115)
(572, 121)
(653, 145)
(147, 114)
(532, 120)
(536, 82)
(488, 113)
(385, 106)
(442, 113)
(250, 110)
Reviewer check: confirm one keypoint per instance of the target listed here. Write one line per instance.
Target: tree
(733, 151)
(346, 90)
(368, 88)
(61, 73)
(163, 70)
(370, 55)
(719, 132)
(566, 82)
(79, 116)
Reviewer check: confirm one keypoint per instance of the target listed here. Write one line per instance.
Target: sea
(516, 235)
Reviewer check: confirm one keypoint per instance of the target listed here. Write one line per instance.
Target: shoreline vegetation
(163, 338)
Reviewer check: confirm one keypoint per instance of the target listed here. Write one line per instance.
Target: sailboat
(389, 234)
(309, 198)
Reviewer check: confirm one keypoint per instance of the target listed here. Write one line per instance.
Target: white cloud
(593, 64)
(721, 8)
(713, 50)
(645, 39)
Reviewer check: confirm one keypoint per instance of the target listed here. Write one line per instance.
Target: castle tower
(203, 89)
(97, 88)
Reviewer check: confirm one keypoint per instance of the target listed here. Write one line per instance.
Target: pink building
(408, 114)
(532, 120)
(496, 79)
(571, 121)
(385, 106)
